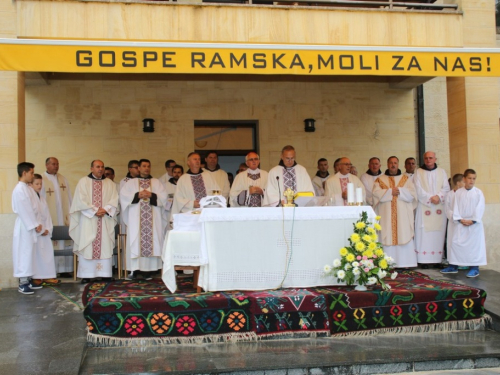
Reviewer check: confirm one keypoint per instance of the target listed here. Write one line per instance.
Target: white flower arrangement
(364, 261)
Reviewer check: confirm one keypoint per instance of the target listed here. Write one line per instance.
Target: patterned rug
(137, 312)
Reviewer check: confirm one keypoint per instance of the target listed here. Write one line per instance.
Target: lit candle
(359, 195)
(350, 192)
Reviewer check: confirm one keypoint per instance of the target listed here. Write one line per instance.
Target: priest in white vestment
(468, 242)
(393, 197)
(249, 186)
(319, 179)
(44, 263)
(287, 174)
(219, 176)
(171, 185)
(410, 165)
(192, 186)
(143, 201)
(57, 194)
(336, 185)
(169, 165)
(92, 223)
(368, 178)
(432, 186)
(133, 172)
(27, 228)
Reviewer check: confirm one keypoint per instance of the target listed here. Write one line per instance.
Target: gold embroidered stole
(50, 197)
(394, 204)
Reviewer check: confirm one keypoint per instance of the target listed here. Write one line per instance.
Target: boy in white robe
(44, 262)
(456, 183)
(468, 242)
(27, 228)
(92, 224)
(336, 185)
(288, 174)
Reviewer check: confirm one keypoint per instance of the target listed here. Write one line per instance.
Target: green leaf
(179, 303)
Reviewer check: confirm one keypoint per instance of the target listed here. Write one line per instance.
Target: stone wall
(81, 120)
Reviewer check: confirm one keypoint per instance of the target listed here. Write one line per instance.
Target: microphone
(279, 191)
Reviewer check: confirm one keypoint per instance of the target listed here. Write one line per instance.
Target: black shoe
(107, 279)
(147, 275)
(86, 281)
(425, 266)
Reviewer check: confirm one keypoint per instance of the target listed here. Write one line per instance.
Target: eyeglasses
(134, 167)
(254, 159)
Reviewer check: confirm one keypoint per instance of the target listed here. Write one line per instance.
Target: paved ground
(45, 334)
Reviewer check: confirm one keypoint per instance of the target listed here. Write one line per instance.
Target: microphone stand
(279, 191)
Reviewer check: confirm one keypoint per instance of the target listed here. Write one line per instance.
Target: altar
(259, 249)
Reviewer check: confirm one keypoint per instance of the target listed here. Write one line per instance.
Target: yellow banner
(198, 58)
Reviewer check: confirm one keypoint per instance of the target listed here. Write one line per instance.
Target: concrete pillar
(473, 122)
(12, 143)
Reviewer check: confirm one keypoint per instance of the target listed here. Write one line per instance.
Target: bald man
(431, 184)
(92, 223)
(56, 191)
(249, 186)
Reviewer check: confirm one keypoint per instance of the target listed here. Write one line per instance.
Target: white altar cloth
(268, 247)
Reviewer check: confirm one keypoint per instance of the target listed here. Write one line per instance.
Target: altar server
(468, 243)
(431, 184)
(27, 228)
(249, 186)
(44, 263)
(143, 200)
(57, 194)
(368, 178)
(393, 198)
(192, 186)
(92, 223)
(287, 174)
(336, 185)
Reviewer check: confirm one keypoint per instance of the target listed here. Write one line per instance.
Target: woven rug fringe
(482, 323)
(106, 341)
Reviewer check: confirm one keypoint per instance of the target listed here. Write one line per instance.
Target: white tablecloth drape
(263, 248)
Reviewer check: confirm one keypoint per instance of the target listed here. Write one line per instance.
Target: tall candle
(359, 195)
(350, 192)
